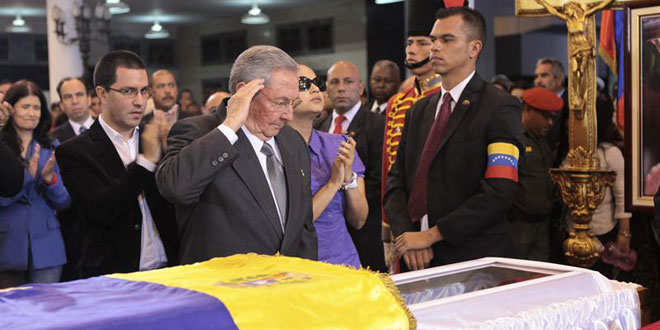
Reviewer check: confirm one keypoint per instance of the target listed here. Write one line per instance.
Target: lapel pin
(466, 102)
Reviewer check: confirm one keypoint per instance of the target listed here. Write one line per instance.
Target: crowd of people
(443, 167)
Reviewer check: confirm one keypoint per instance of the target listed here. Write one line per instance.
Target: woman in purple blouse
(337, 177)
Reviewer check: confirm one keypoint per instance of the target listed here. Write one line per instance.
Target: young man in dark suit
(455, 176)
(126, 225)
(75, 103)
(239, 177)
(350, 116)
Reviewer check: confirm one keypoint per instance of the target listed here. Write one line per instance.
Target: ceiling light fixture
(117, 7)
(384, 2)
(157, 32)
(18, 26)
(18, 21)
(255, 16)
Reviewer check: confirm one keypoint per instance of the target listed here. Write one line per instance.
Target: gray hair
(259, 62)
(557, 68)
(393, 67)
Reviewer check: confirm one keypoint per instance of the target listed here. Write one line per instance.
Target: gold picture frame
(643, 106)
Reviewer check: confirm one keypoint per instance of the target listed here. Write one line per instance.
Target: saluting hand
(238, 105)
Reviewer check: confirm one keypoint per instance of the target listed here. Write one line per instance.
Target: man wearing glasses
(239, 177)
(109, 171)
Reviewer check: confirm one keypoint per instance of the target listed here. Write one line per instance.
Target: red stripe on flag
(502, 172)
(607, 46)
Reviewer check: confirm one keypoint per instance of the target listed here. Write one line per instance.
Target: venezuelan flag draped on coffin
(243, 291)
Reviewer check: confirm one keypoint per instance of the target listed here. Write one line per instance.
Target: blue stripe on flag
(502, 159)
(109, 303)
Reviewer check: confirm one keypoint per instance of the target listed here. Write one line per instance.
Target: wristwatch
(351, 185)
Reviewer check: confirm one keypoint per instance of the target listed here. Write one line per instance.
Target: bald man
(383, 83)
(213, 101)
(348, 116)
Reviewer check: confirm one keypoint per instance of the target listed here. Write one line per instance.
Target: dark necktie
(338, 121)
(82, 129)
(418, 200)
(277, 180)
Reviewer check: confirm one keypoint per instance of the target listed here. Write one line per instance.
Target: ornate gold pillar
(582, 183)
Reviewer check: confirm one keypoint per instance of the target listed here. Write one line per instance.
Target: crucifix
(583, 185)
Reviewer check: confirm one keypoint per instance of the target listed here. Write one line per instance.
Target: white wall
(349, 28)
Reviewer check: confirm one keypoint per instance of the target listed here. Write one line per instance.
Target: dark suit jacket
(223, 203)
(11, 171)
(469, 210)
(70, 225)
(369, 129)
(63, 132)
(105, 198)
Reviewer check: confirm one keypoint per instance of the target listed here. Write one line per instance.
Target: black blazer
(105, 199)
(469, 210)
(369, 129)
(223, 203)
(63, 132)
(11, 170)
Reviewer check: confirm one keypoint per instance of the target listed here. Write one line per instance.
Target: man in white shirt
(455, 176)
(126, 225)
(75, 102)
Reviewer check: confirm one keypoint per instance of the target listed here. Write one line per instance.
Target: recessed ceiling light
(255, 16)
(18, 21)
(157, 32)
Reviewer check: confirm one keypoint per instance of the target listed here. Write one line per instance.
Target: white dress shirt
(152, 252)
(76, 127)
(455, 95)
(378, 108)
(256, 144)
(350, 114)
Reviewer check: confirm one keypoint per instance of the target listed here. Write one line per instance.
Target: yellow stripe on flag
(503, 148)
(288, 293)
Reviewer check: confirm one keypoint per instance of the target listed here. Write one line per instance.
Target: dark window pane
(232, 45)
(319, 36)
(289, 38)
(41, 50)
(211, 49)
(223, 47)
(161, 54)
(4, 48)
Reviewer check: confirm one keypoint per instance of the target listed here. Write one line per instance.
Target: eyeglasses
(281, 106)
(305, 83)
(132, 92)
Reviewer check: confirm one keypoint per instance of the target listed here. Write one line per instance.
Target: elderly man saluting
(239, 177)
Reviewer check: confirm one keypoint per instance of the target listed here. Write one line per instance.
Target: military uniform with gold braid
(395, 115)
